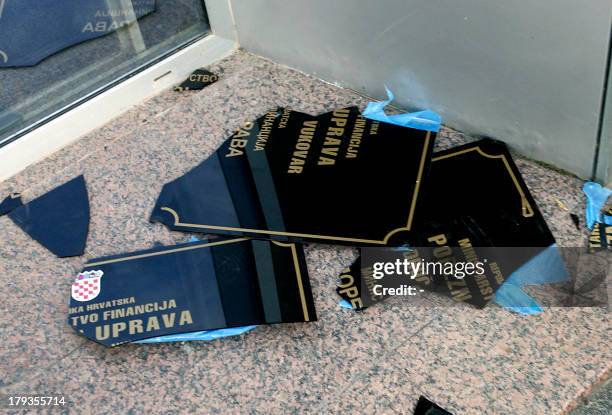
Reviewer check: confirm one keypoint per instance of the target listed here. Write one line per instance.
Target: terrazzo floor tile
(488, 362)
(469, 361)
(34, 334)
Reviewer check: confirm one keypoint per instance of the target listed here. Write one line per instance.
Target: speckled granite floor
(471, 362)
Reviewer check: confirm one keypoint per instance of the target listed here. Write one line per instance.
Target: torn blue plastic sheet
(58, 220)
(206, 335)
(422, 120)
(545, 268)
(596, 199)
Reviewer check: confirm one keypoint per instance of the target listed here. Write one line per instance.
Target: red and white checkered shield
(87, 286)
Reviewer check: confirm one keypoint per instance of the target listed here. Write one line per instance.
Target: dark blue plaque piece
(288, 176)
(59, 219)
(226, 282)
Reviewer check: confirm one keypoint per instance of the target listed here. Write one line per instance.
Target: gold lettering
(284, 118)
(168, 319)
(335, 131)
(135, 327)
(118, 328)
(185, 318)
(438, 239)
(461, 295)
(237, 142)
(374, 128)
(331, 142)
(302, 146)
(324, 161)
(102, 333)
(330, 151)
(356, 137)
(152, 323)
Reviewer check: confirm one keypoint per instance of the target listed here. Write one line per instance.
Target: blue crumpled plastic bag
(206, 335)
(545, 268)
(596, 199)
(423, 120)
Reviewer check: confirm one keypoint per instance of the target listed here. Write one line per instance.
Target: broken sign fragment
(335, 178)
(576, 220)
(191, 288)
(199, 79)
(59, 219)
(476, 200)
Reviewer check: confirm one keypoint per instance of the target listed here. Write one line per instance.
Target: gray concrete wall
(604, 164)
(527, 72)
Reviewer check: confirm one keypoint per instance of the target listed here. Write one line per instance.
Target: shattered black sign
(336, 178)
(476, 200)
(191, 287)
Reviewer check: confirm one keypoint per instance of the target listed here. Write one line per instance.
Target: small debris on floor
(426, 407)
(199, 79)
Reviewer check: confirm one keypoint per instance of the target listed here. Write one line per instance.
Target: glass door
(56, 54)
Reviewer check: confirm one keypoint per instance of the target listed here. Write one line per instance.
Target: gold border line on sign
(526, 208)
(169, 251)
(177, 220)
(296, 263)
(298, 274)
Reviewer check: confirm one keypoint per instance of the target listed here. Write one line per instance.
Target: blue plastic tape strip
(206, 335)
(422, 120)
(596, 199)
(545, 268)
(513, 297)
(345, 304)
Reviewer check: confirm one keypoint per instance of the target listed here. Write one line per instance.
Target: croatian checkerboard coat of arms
(87, 285)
